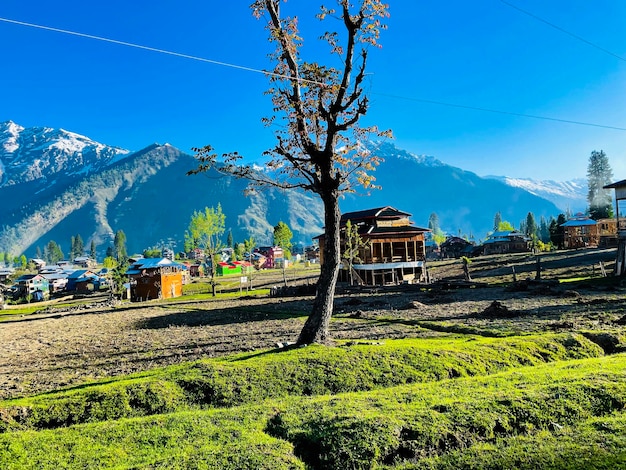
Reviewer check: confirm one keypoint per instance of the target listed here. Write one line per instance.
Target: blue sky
(479, 54)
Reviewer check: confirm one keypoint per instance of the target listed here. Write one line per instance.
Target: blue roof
(578, 222)
(151, 263)
(77, 274)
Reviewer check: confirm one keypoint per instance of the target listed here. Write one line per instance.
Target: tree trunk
(315, 329)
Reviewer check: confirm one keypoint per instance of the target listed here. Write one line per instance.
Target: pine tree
(119, 243)
(497, 220)
(229, 239)
(599, 174)
(433, 223)
(531, 225)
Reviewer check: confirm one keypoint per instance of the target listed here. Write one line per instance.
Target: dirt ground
(45, 351)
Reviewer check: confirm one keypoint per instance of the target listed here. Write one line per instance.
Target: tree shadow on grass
(225, 316)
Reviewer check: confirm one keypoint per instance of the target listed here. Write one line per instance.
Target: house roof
(28, 277)
(79, 273)
(617, 184)
(56, 275)
(579, 220)
(505, 236)
(578, 223)
(386, 212)
(151, 263)
(395, 230)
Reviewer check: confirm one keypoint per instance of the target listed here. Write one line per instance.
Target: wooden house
(394, 251)
(620, 225)
(84, 262)
(580, 231)
(82, 280)
(155, 278)
(607, 233)
(454, 247)
(5, 273)
(506, 241)
(34, 285)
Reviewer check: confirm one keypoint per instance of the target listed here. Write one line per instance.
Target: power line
(161, 51)
(558, 28)
(510, 113)
(250, 69)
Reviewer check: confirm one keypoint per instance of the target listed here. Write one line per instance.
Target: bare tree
(319, 142)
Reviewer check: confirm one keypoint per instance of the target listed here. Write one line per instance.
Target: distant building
(155, 278)
(395, 250)
(83, 281)
(506, 241)
(272, 254)
(38, 262)
(84, 262)
(580, 231)
(454, 247)
(5, 273)
(34, 285)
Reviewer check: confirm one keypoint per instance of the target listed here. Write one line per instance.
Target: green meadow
(458, 401)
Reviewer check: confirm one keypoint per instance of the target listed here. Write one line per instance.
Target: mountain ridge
(149, 196)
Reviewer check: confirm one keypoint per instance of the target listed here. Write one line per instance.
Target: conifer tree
(599, 174)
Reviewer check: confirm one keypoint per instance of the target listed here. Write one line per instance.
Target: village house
(5, 273)
(38, 262)
(33, 286)
(580, 231)
(83, 281)
(607, 233)
(506, 241)
(272, 254)
(395, 249)
(155, 278)
(84, 262)
(455, 247)
(57, 281)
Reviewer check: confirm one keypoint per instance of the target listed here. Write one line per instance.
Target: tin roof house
(580, 231)
(34, 286)
(155, 278)
(506, 241)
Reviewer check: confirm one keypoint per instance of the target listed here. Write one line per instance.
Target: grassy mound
(574, 412)
(314, 370)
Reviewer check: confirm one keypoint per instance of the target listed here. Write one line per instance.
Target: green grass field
(537, 401)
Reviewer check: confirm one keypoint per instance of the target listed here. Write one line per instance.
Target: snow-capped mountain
(43, 154)
(566, 195)
(55, 184)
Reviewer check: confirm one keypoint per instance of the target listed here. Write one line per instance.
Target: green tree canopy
(52, 253)
(119, 247)
(282, 238)
(505, 226)
(531, 225)
(205, 231)
(77, 247)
